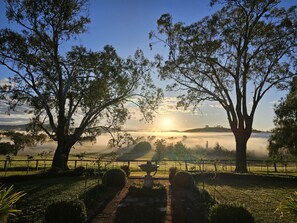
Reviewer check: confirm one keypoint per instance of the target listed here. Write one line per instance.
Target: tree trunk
(61, 155)
(241, 146)
(241, 164)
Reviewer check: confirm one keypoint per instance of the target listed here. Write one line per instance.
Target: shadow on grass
(143, 205)
(189, 206)
(139, 150)
(246, 180)
(42, 192)
(97, 198)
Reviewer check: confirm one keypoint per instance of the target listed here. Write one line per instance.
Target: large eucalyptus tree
(233, 57)
(71, 94)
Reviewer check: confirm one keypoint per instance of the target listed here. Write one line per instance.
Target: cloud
(214, 105)
(19, 116)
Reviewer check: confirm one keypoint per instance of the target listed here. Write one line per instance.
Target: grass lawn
(260, 197)
(41, 192)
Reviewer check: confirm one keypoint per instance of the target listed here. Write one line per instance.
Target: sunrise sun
(167, 123)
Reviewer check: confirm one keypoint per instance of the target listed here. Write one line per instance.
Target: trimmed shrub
(114, 178)
(230, 213)
(66, 211)
(126, 169)
(91, 172)
(183, 180)
(79, 170)
(172, 172)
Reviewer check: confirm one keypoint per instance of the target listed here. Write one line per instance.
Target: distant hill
(13, 127)
(215, 129)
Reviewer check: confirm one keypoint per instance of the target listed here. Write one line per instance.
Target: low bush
(172, 172)
(66, 211)
(289, 206)
(79, 170)
(8, 198)
(114, 178)
(126, 169)
(91, 196)
(230, 213)
(183, 180)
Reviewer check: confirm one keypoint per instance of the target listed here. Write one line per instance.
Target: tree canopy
(284, 136)
(18, 141)
(71, 94)
(232, 57)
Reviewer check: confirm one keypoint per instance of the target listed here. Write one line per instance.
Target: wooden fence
(12, 167)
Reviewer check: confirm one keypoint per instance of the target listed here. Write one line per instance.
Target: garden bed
(143, 205)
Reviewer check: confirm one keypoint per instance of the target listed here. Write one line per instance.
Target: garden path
(180, 207)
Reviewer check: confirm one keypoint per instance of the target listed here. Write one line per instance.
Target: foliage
(43, 191)
(6, 148)
(8, 199)
(57, 86)
(160, 145)
(230, 213)
(172, 172)
(289, 206)
(183, 180)
(79, 170)
(284, 136)
(233, 57)
(179, 151)
(142, 147)
(20, 140)
(259, 195)
(114, 178)
(92, 196)
(66, 211)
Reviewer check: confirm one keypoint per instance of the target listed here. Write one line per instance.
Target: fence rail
(12, 167)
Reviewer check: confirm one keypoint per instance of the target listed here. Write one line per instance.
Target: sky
(125, 24)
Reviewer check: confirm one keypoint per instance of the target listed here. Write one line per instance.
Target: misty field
(256, 145)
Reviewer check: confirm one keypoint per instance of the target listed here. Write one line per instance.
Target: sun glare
(167, 123)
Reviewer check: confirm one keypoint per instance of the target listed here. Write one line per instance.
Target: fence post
(5, 165)
(36, 166)
(75, 163)
(203, 165)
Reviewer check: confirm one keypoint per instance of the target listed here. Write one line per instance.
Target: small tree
(160, 145)
(284, 136)
(20, 141)
(6, 148)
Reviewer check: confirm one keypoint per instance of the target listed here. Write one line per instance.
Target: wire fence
(16, 167)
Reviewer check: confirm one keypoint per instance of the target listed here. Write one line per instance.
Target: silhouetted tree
(232, 57)
(19, 141)
(71, 94)
(284, 136)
